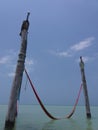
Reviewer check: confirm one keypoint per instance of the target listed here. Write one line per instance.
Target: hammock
(43, 107)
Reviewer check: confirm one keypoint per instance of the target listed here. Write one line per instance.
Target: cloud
(8, 58)
(9, 62)
(82, 44)
(88, 58)
(63, 54)
(85, 59)
(75, 48)
(5, 59)
(12, 74)
(60, 54)
(29, 66)
(29, 63)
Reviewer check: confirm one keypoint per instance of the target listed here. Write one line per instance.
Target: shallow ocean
(31, 117)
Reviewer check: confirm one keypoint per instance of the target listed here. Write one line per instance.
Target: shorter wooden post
(87, 105)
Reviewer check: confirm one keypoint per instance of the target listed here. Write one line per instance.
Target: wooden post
(87, 105)
(16, 85)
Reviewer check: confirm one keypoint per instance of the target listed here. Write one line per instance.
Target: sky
(60, 32)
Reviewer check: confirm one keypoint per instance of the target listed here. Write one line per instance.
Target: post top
(27, 16)
(80, 57)
(25, 24)
(81, 63)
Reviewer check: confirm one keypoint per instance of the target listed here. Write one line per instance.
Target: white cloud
(64, 54)
(30, 64)
(85, 59)
(8, 58)
(9, 62)
(88, 58)
(60, 54)
(12, 74)
(75, 48)
(82, 44)
(5, 59)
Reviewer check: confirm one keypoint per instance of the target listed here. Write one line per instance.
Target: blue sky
(60, 32)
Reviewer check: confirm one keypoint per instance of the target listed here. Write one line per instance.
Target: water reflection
(89, 124)
(70, 124)
(63, 124)
(10, 128)
(74, 124)
(49, 125)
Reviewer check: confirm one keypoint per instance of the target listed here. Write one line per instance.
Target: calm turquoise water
(31, 117)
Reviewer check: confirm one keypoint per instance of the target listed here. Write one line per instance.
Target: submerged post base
(88, 115)
(9, 124)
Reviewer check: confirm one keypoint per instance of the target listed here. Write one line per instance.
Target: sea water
(31, 117)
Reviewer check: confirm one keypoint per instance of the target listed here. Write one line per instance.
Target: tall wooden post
(16, 85)
(87, 105)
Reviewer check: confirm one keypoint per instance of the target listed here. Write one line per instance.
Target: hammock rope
(42, 105)
(26, 84)
(74, 108)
